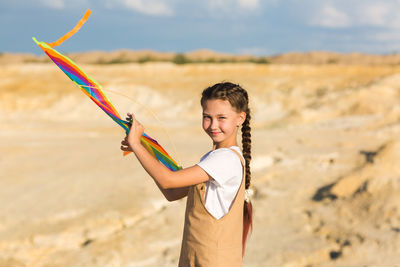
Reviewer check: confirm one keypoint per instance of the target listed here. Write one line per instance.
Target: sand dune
(325, 172)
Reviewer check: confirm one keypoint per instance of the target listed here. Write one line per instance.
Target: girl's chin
(215, 136)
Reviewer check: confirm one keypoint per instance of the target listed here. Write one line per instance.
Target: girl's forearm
(153, 167)
(173, 194)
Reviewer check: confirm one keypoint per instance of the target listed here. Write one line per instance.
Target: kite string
(147, 110)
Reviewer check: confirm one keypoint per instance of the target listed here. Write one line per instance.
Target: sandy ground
(325, 164)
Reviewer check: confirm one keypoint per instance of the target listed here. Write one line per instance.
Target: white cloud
(375, 14)
(149, 7)
(64, 4)
(396, 23)
(387, 36)
(249, 4)
(222, 6)
(381, 14)
(330, 17)
(337, 14)
(55, 4)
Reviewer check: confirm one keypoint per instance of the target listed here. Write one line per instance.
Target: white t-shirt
(226, 170)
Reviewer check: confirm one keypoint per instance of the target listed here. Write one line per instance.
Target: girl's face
(220, 122)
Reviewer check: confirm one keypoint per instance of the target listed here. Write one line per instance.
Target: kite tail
(73, 31)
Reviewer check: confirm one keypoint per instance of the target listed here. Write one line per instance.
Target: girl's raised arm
(164, 177)
(173, 194)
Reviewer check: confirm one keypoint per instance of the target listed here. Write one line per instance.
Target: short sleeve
(222, 165)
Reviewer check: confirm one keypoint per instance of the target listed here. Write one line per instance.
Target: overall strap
(240, 157)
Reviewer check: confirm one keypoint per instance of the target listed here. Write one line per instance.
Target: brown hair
(239, 100)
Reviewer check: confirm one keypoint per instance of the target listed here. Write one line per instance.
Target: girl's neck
(219, 145)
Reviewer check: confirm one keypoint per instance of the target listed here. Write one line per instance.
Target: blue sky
(259, 27)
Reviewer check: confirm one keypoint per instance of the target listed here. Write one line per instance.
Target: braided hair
(239, 100)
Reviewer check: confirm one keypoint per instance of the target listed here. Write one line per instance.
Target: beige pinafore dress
(211, 242)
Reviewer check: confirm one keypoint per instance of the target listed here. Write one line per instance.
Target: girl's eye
(222, 118)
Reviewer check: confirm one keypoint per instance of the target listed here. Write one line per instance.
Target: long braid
(246, 146)
(238, 98)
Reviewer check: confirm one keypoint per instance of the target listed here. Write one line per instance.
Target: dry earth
(325, 164)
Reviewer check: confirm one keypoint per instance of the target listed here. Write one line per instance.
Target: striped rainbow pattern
(93, 90)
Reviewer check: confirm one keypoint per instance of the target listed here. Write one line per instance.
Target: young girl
(218, 215)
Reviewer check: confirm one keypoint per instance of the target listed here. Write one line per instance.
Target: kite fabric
(93, 90)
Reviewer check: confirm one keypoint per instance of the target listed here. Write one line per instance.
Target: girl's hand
(135, 132)
(125, 145)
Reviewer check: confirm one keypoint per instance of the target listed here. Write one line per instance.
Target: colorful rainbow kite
(93, 90)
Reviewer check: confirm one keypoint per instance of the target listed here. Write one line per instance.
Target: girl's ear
(242, 117)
